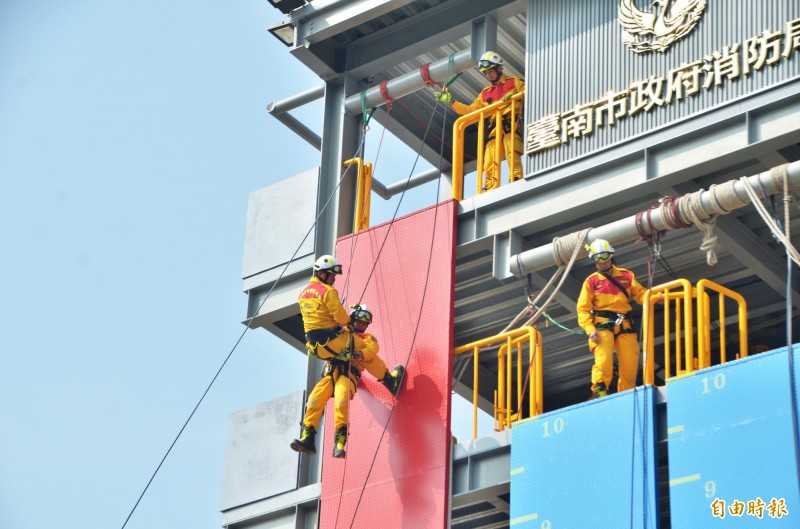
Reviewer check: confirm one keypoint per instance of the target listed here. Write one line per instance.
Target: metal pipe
(415, 181)
(280, 111)
(387, 192)
(300, 129)
(624, 230)
(411, 82)
(297, 100)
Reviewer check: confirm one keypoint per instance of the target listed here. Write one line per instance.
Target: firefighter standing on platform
(502, 87)
(333, 335)
(603, 310)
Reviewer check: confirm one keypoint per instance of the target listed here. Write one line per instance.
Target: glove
(508, 96)
(443, 96)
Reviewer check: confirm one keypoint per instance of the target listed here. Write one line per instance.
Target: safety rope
(526, 284)
(782, 173)
(791, 251)
(652, 237)
(248, 323)
(640, 416)
(422, 302)
(780, 180)
(354, 242)
(561, 245)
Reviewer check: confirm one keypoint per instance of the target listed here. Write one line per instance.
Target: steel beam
(426, 31)
(324, 19)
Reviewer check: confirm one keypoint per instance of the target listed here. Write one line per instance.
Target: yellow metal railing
(678, 299)
(704, 316)
(511, 380)
(496, 111)
(363, 192)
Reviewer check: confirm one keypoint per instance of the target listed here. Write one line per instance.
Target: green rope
(554, 322)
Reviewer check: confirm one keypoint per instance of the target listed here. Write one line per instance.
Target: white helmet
(327, 263)
(361, 313)
(600, 250)
(490, 60)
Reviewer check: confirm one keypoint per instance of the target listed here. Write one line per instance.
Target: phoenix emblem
(643, 31)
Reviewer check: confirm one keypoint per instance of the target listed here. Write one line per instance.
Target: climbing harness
(320, 338)
(613, 322)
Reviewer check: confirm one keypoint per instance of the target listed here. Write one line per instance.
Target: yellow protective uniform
(600, 294)
(342, 386)
(512, 142)
(321, 308)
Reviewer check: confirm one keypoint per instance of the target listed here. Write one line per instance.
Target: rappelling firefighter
(603, 308)
(341, 339)
(501, 88)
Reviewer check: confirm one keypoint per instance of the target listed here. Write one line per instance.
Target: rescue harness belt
(336, 368)
(614, 319)
(321, 337)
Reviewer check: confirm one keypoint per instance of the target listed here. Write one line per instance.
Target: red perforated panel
(398, 461)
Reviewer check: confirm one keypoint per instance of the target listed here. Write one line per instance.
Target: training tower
(627, 106)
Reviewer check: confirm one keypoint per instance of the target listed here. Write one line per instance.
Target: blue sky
(131, 134)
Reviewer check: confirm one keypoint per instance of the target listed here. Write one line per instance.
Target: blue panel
(589, 465)
(730, 433)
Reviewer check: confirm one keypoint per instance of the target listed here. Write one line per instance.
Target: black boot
(600, 390)
(394, 380)
(339, 440)
(306, 442)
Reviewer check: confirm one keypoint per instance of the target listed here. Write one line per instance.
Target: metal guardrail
(679, 299)
(496, 110)
(704, 316)
(509, 385)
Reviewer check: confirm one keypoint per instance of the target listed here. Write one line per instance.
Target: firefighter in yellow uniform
(603, 308)
(330, 335)
(502, 87)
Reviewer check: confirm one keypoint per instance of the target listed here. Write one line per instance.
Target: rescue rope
(776, 173)
(526, 284)
(346, 291)
(422, 303)
(560, 246)
(239, 340)
(643, 428)
(783, 173)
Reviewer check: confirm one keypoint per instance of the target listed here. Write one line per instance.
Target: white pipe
(401, 86)
(624, 230)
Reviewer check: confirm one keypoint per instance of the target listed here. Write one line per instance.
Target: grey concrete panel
(258, 461)
(278, 217)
